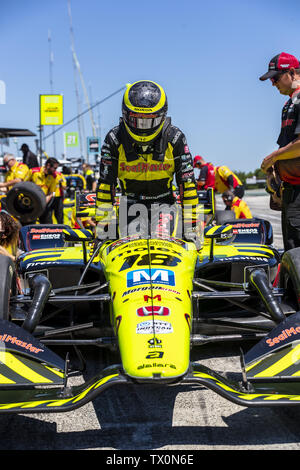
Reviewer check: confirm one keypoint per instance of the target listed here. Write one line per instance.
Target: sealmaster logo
(14, 340)
(147, 276)
(285, 334)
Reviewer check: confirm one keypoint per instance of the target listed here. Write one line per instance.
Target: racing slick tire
(223, 217)
(26, 201)
(7, 285)
(290, 275)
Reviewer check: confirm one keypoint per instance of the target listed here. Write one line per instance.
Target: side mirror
(78, 235)
(218, 232)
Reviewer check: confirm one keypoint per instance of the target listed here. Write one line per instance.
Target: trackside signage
(51, 110)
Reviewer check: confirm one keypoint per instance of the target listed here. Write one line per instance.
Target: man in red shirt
(206, 177)
(284, 74)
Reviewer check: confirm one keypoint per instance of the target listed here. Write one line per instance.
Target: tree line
(258, 174)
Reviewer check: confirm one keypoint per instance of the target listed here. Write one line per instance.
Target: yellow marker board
(51, 110)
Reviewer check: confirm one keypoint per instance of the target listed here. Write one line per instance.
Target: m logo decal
(150, 276)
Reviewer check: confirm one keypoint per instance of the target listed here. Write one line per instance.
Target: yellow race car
(150, 299)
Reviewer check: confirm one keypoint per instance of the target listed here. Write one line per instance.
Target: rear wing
(42, 236)
(256, 230)
(85, 202)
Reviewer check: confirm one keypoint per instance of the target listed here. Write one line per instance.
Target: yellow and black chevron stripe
(16, 369)
(43, 255)
(282, 363)
(218, 231)
(244, 398)
(77, 234)
(49, 401)
(190, 196)
(254, 250)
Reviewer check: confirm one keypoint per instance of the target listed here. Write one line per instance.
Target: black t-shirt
(289, 170)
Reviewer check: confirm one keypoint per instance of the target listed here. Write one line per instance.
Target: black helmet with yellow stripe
(144, 110)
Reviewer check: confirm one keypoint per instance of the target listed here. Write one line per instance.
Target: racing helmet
(144, 110)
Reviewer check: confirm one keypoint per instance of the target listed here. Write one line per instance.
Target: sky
(207, 55)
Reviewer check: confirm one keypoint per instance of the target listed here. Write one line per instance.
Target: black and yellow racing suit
(146, 174)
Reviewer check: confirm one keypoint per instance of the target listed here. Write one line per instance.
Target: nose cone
(152, 308)
(155, 342)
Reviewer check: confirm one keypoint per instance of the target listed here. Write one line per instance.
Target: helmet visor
(144, 122)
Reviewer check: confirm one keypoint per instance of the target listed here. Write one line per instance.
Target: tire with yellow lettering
(7, 285)
(26, 201)
(290, 276)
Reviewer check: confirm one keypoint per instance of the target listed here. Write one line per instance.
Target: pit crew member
(225, 180)
(29, 158)
(89, 175)
(284, 74)
(16, 173)
(60, 186)
(237, 205)
(206, 177)
(45, 177)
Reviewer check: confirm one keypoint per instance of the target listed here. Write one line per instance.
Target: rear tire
(7, 285)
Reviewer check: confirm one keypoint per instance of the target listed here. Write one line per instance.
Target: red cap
(280, 63)
(198, 159)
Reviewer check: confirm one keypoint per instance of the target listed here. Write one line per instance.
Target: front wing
(70, 398)
(33, 379)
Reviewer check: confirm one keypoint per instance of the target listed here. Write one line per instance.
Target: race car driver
(144, 153)
(207, 176)
(237, 205)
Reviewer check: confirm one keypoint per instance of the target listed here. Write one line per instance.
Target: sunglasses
(277, 77)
